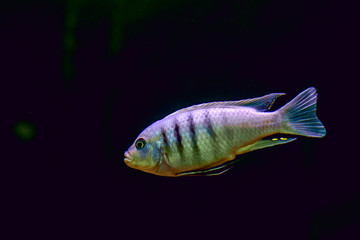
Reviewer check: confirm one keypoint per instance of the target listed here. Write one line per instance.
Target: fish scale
(231, 127)
(206, 137)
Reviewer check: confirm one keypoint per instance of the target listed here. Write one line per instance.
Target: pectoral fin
(264, 143)
(210, 171)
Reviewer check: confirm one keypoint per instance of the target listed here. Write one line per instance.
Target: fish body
(203, 137)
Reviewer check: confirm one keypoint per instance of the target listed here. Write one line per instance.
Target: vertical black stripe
(191, 126)
(164, 137)
(166, 147)
(212, 134)
(208, 126)
(196, 150)
(179, 145)
(167, 141)
(228, 132)
(177, 134)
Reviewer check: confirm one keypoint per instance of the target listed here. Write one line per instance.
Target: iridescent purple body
(201, 138)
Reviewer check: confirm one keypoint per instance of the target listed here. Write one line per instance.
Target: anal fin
(264, 143)
(213, 171)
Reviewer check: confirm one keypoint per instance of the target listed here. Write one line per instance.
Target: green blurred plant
(24, 130)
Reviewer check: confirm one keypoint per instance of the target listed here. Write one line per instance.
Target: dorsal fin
(263, 103)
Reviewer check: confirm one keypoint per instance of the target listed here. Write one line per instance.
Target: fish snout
(127, 158)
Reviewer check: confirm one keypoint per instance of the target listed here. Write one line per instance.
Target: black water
(90, 81)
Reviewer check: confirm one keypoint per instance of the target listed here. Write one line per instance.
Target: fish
(204, 139)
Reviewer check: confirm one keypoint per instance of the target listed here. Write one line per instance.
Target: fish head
(145, 153)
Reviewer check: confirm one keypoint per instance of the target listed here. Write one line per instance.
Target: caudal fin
(299, 115)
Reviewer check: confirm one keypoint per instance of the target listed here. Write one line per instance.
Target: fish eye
(140, 143)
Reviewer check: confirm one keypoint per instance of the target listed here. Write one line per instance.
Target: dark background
(91, 75)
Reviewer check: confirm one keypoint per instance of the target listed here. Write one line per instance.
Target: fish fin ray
(299, 115)
(263, 103)
(209, 171)
(264, 143)
(218, 173)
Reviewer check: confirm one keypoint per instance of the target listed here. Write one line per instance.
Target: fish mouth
(127, 158)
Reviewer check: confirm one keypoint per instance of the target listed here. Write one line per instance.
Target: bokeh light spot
(24, 130)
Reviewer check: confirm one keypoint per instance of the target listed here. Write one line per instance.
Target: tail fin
(299, 116)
